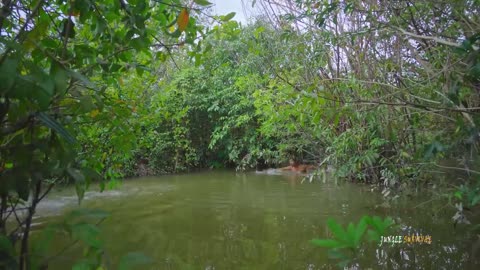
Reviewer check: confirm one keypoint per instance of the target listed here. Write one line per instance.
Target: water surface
(228, 220)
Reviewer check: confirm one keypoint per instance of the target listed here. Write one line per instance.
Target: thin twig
(457, 168)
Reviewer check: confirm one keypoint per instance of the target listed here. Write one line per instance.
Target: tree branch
(436, 39)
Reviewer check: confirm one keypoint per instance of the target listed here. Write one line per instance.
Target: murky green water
(225, 220)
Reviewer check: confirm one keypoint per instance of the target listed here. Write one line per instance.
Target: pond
(229, 220)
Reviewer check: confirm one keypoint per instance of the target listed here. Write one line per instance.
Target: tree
(59, 61)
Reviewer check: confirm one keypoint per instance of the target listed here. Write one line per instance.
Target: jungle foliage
(60, 64)
(371, 88)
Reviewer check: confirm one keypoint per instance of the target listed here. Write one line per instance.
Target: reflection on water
(224, 220)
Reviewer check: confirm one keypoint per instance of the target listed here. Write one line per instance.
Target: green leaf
(360, 230)
(91, 175)
(133, 259)
(44, 240)
(60, 77)
(227, 17)
(138, 43)
(373, 236)
(351, 234)
(8, 73)
(38, 86)
(87, 233)
(475, 200)
(46, 88)
(54, 125)
(379, 225)
(86, 103)
(337, 230)
(81, 78)
(6, 246)
(202, 3)
(387, 223)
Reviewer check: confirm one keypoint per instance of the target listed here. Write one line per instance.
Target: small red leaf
(182, 20)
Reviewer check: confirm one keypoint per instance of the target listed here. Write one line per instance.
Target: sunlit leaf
(94, 113)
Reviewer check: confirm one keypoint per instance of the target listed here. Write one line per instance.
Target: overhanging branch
(436, 39)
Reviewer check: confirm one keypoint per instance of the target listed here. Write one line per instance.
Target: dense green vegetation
(386, 92)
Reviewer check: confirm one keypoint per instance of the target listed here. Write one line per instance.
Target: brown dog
(296, 167)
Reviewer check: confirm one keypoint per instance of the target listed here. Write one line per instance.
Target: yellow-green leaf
(94, 113)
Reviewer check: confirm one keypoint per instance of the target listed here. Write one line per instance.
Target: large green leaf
(88, 233)
(337, 230)
(60, 77)
(360, 230)
(8, 73)
(54, 125)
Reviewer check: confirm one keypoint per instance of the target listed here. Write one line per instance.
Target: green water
(228, 220)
